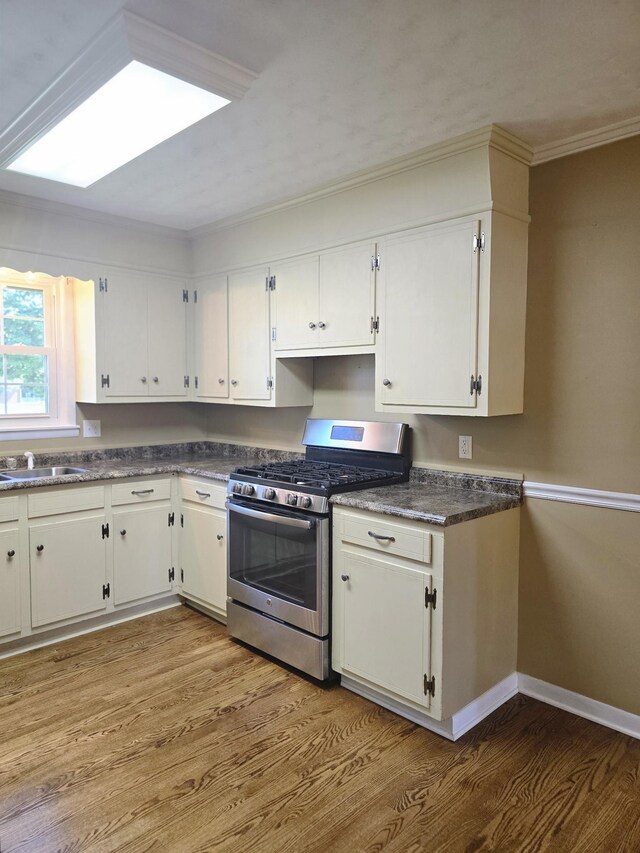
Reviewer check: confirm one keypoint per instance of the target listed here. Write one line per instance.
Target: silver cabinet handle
(381, 538)
(322, 325)
(203, 494)
(345, 578)
(143, 380)
(220, 381)
(123, 532)
(312, 325)
(219, 536)
(39, 548)
(11, 553)
(142, 491)
(155, 379)
(386, 383)
(234, 381)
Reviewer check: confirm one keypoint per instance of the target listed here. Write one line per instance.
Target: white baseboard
(582, 706)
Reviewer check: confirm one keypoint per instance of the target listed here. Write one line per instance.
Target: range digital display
(347, 433)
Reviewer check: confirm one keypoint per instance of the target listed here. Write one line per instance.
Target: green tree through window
(24, 369)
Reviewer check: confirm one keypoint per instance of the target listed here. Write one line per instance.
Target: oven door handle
(269, 516)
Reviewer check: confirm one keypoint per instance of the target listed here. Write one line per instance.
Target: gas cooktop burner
(321, 475)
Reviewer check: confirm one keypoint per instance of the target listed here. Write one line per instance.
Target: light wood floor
(163, 735)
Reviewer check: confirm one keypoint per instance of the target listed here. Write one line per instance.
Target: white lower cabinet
(68, 561)
(10, 621)
(141, 553)
(203, 545)
(425, 617)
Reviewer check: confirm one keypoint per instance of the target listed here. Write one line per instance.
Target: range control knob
(305, 502)
(236, 488)
(269, 494)
(248, 489)
(292, 500)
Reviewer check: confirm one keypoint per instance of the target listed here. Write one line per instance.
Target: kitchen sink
(40, 473)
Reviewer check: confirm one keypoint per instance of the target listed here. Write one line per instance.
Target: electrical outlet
(91, 429)
(465, 447)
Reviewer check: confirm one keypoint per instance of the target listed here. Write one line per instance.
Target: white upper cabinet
(210, 339)
(325, 302)
(131, 341)
(249, 344)
(452, 300)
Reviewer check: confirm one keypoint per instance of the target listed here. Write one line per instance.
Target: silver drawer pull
(381, 538)
(203, 494)
(142, 491)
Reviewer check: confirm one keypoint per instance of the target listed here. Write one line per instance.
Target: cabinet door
(141, 552)
(9, 581)
(249, 335)
(429, 316)
(210, 339)
(68, 568)
(125, 336)
(203, 553)
(386, 628)
(296, 304)
(347, 304)
(167, 317)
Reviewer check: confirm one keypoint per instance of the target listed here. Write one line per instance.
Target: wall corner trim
(581, 706)
(576, 495)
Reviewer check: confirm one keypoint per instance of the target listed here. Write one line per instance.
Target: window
(36, 356)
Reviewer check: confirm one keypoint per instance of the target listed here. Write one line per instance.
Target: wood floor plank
(162, 734)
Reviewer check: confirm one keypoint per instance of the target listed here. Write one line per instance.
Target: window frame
(59, 421)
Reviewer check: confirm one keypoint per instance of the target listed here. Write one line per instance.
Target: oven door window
(276, 554)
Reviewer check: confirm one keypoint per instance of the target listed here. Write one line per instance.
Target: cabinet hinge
(185, 295)
(269, 382)
(478, 242)
(195, 382)
(273, 333)
(172, 574)
(475, 385)
(103, 285)
(106, 591)
(430, 598)
(195, 296)
(104, 380)
(429, 686)
(186, 381)
(272, 282)
(181, 575)
(105, 531)
(181, 520)
(375, 262)
(172, 519)
(375, 324)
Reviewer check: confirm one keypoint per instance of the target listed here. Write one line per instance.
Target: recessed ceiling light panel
(136, 86)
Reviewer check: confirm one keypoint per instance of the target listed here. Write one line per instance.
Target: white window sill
(30, 433)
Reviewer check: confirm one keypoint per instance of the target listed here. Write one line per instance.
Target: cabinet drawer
(208, 493)
(387, 537)
(9, 508)
(65, 500)
(140, 492)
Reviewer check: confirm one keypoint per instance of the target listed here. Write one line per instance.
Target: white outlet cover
(465, 447)
(91, 429)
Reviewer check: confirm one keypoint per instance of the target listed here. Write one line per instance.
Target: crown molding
(59, 208)
(586, 141)
(490, 136)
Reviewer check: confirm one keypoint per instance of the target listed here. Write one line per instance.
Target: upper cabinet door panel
(429, 316)
(211, 358)
(347, 304)
(167, 317)
(296, 304)
(125, 336)
(249, 342)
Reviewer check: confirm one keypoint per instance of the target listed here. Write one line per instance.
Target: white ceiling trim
(585, 141)
(491, 135)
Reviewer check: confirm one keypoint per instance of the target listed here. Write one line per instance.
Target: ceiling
(343, 85)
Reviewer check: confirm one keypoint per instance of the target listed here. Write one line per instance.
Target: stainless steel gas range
(279, 568)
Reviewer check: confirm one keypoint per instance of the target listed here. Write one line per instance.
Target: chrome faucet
(29, 457)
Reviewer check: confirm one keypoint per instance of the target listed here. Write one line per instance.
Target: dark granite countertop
(437, 497)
